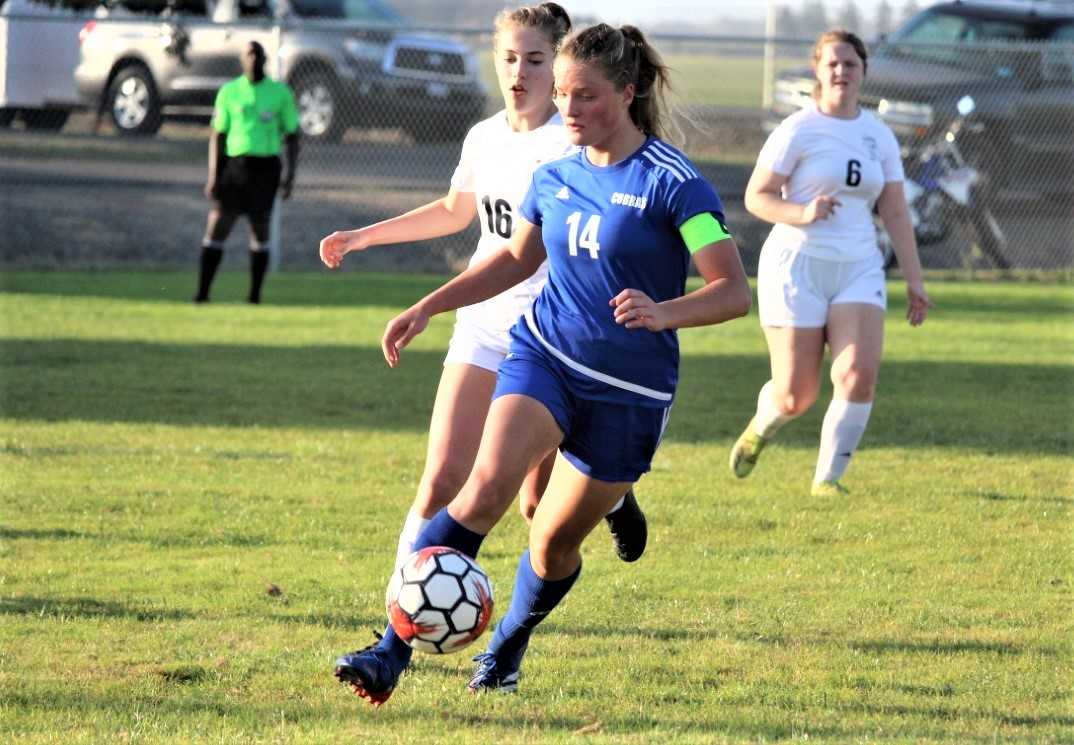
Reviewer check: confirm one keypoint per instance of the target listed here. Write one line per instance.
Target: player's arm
(895, 214)
(725, 294)
(445, 216)
(500, 271)
(764, 199)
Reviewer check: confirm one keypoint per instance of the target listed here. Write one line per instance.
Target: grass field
(162, 464)
(709, 80)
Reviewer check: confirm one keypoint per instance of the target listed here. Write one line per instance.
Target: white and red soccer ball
(439, 600)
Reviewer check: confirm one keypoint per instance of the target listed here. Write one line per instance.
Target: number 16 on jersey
(588, 237)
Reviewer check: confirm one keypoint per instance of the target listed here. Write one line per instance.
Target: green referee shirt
(255, 116)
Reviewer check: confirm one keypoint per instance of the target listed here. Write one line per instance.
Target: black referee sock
(258, 266)
(210, 262)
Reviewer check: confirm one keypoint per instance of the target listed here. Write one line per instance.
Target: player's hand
(211, 189)
(335, 246)
(400, 330)
(286, 186)
(820, 208)
(636, 310)
(917, 303)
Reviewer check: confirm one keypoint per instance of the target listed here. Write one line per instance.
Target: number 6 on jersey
(588, 239)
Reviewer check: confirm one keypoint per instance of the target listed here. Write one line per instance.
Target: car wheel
(44, 119)
(6, 117)
(319, 116)
(133, 102)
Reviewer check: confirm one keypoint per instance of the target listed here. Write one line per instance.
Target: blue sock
(442, 530)
(532, 600)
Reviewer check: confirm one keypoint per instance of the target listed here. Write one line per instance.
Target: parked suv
(349, 62)
(1014, 59)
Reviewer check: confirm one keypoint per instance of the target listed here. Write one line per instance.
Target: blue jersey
(607, 229)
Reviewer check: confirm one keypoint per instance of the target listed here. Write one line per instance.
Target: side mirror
(966, 105)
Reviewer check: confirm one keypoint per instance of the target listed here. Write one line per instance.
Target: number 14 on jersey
(587, 239)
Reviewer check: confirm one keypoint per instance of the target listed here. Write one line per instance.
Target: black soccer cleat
(492, 675)
(368, 674)
(628, 528)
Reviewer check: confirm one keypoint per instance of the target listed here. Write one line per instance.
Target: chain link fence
(384, 110)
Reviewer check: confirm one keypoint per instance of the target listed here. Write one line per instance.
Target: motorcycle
(943, 191)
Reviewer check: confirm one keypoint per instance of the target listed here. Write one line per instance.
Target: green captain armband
(701, 230)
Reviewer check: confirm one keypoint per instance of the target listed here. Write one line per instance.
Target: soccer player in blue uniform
(593, 366)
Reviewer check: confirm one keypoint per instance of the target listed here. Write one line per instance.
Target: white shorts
(472, 345)
(794, 289)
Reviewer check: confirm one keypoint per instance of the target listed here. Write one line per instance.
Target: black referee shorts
(249, 184)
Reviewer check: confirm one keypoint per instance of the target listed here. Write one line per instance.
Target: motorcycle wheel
(989, 236)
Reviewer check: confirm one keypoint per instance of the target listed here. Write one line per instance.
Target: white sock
(617, 504)
(769, 419)
(844, 424)
(412, 528)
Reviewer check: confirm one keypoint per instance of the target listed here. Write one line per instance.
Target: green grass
(739, 82)
(700, 80)
(161, 464)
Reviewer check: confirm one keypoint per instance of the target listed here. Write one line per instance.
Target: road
(82, 199)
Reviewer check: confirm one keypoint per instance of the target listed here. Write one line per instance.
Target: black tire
(989, 237)
(133, 103)
(45, 119)
(6, 117)
(320, 117)
(887, 251)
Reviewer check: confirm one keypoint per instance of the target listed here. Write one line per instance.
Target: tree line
(816, 16)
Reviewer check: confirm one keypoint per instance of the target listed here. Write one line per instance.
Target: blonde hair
(837, 36)
(548, 18)
(625, 58)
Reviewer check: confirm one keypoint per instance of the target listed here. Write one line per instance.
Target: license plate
(436, 90)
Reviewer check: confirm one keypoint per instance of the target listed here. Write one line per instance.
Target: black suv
(1016, 61)
(350, 62)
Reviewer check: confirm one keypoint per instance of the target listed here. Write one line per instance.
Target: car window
(981, 30)
(945, 28)
(934, 28)
(254, 9)
(1064, 32)
(351, 10)
(156, 7)
(1057, 57)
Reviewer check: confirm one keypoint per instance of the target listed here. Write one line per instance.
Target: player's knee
(552, 555)
(483, 499)
(795, 402)
(856, 381)
(439, 486)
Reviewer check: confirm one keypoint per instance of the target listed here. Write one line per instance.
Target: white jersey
(849, 159)
(497, 167)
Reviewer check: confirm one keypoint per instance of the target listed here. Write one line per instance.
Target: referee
(253, 116)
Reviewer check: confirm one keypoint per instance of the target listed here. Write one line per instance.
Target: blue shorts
(605, 441)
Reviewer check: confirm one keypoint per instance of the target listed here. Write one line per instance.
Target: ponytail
(625, 58)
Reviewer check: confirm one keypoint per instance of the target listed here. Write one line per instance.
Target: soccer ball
(439, 600)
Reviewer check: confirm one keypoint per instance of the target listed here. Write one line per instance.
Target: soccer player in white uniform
(820, 278)
(593, 366)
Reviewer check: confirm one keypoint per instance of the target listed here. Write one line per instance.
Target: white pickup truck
(38, 56)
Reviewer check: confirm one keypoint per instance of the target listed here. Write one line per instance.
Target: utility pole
(769, 74)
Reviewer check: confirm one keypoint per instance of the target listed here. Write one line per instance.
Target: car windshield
(939, 27)
(1064, 33)
(351, 10)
